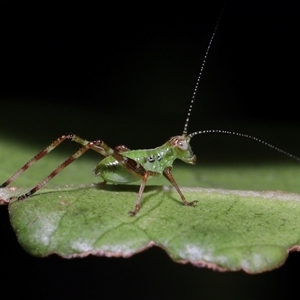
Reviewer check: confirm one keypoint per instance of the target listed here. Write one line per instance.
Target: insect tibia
(245, 136)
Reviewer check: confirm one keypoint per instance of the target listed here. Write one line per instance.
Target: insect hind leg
(53, 145)
(35, 159)
(98, 146)
(95, 145)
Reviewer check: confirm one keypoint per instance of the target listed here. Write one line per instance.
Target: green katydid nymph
(122, 165)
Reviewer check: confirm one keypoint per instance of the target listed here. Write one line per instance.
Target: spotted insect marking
(151, 158)
(159, 157)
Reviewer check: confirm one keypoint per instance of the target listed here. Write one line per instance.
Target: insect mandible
(122, 165)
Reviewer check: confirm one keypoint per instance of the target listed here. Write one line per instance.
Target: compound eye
(183, 145)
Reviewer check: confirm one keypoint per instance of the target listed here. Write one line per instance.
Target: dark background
(92, 56)
(64, 66)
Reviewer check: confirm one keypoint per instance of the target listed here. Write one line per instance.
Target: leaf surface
(228, 230)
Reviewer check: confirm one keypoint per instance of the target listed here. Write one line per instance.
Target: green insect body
(154, 160)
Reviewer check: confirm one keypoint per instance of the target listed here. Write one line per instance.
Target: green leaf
(227, 230)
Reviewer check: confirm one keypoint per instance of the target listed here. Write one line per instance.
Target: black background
(91, 56)
(61, 63)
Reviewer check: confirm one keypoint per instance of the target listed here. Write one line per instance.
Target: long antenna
(200, 73)
(245, 136)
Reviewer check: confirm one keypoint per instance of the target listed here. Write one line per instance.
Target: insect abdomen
(111, 171)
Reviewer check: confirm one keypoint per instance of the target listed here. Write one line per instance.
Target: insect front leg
(169, 176)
